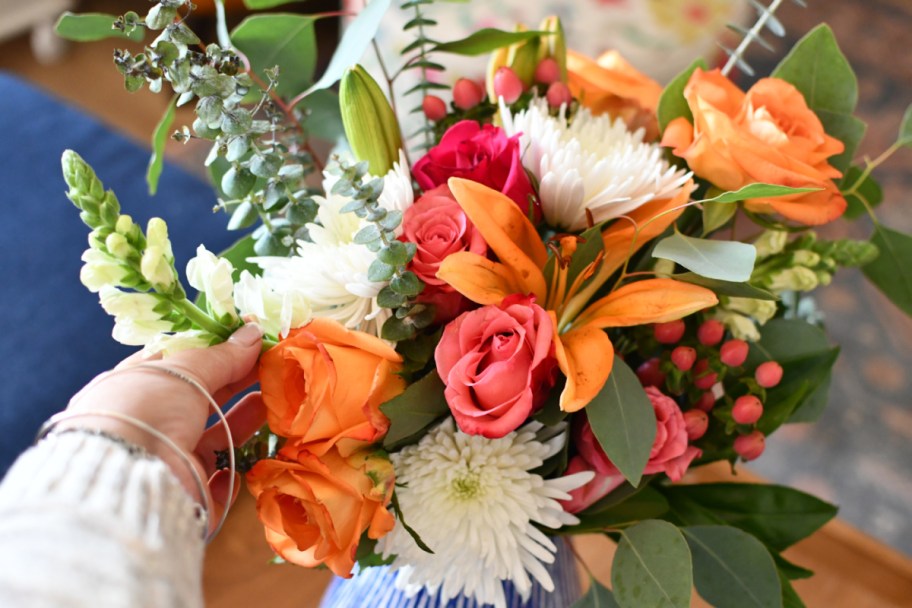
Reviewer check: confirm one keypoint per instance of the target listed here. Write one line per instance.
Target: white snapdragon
(277, 313)
(797, 278)
(169, 344)
(211, 275)
(101, 270)
(136, 320)
(158, 258)
(770, 243)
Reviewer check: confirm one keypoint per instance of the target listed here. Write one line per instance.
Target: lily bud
(370, 123)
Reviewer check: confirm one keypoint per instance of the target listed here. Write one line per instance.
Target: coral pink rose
(670, 453)
(483, 154)
(439, 227)
(498, 364)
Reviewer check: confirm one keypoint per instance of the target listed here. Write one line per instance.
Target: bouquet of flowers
(522, 314)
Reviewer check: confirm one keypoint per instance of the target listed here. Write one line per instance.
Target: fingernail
(248, 335)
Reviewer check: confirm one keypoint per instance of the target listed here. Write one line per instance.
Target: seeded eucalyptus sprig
(393, 256)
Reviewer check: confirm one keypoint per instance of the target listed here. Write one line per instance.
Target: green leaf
(243, 216)
(590, 246)
(672, 103)
(645, 504)
(716, 215)
(732, 569)
(758, 190)
(790, 570)
(652, 567)
(598, 596)
(380, 272)
(868, 190)
(905, 129)
(159, 139)
(355, 40)
(484, 41)
(726, 288)
(283, 40)
(261, 4)
(790, 598)
(239, 255)
(724, 260)
(323, 119)
(623, 421)
(414, 410)
(406, 284)
(368, 234)
(88, 27)
(848, 129)
(777, 515)
(812, 407)
(891, 271)
(801, 378)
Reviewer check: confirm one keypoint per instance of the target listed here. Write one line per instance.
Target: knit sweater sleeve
(86, 522)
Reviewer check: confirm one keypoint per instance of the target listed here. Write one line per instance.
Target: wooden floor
(853, 571)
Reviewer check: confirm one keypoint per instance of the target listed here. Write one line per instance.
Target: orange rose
(324, 385)
(611, 85)
(768, 135)
(315, 509)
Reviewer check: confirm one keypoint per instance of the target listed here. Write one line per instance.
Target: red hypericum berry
(558, 94)
(734, 352)
(669, 333)
(750, 446)
(650, 373)
(695, 423)
(703, 377)
(547, 71)
(706, 401)
(434, 108)
(507, 85)
(467, 94)
(683, 357)
(747, 410)
(710, 332)
(768, 374)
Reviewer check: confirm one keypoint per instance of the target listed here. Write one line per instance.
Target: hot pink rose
(439, 227)
(483, 154)
(498, 364)
(670, 453)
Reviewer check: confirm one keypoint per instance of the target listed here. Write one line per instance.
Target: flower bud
(507, 85)
(695, 423)
(768, 374)
(101, 270)
(118, 246)
(804, 257)
(558, 95)
(747, 409)
(434, 108)
(741, 327)
(670, 332)
(683, 357)
(547, 71)
(370, 124)
(157, 236)
(798, 278)
(770, 243)
(466, 94)
(554, 46)
(761, 310)
(156, 269)
(750, 446)
(650, 374)
(710, 332)
(124, 225)
(734, 352)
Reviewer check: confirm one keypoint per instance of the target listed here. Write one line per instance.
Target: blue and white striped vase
(375, 588)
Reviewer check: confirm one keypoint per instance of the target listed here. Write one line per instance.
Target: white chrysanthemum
(589, 162)
(475, 503)
(211, 275)
(276, 312)
(398, 194)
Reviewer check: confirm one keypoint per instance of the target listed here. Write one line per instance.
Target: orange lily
(584, 351)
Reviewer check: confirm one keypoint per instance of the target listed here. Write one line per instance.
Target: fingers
(244, 419)
(225, 363)
(218, 491)
(138, 357)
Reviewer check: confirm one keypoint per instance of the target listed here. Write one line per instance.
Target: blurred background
(858, 456)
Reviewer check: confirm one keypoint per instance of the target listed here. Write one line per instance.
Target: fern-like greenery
(766, 20)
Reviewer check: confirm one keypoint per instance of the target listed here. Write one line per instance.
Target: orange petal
(585, 356)
(479, 279)
(507, 232)
(650, 301)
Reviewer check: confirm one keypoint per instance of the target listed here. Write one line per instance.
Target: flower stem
(201, 319)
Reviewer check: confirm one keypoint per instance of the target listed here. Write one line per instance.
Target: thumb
(225, 363)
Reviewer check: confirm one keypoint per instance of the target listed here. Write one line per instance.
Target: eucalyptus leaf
(414, 410)
(716, 215)
(645, 504)
(239, 255)
(726, 288)
(598, 596)
(891, 271)
(284, 40)
(759, 190)
(89, 27)
(723, 260)
(672, 103)
(355, 40)
(732, 569)
(484, 41)
(905, 129)
(623, 420)
(652, 567)
(261, 4)
(868, 191)
(159, 139)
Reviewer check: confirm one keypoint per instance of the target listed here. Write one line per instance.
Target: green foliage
(891, 271)
(484, 41)
(159, 138)
(323, 118)
(759, 190)
(261, 4)
(868, 191)
(905, 129)
(646, 503)
(88, 27)
(726, 288)
(412, 412)
(732, 569)
(731, 261)
(280, 40)
(716, 215)
(672, 103)
(652, 567)
(598, 596)
(623, 421)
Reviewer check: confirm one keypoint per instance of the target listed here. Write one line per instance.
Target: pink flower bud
(750, 446)
(649, 373)
(507, 85)
(734, 352)
(695, 423)
(768, 374)
(747, 410)
(710, 332)
(558, 95)
(669, 333)
(704, 378)
(434, 108)
(683, 357)
(706, 401)
(467, 94)
(547, 71)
